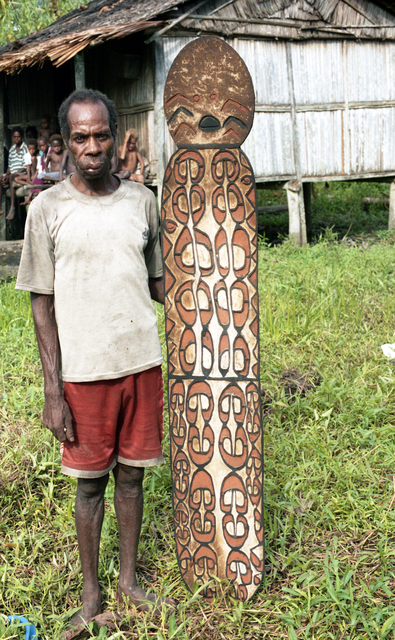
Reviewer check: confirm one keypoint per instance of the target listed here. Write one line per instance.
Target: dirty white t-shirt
(95, 254)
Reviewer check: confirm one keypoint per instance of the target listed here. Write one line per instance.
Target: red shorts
(114, 421)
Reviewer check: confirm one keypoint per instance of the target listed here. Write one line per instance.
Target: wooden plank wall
(30, 94)
(133, 98)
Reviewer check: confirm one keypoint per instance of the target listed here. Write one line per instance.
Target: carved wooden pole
(210, 253)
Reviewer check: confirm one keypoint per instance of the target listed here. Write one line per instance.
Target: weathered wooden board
(210, 254)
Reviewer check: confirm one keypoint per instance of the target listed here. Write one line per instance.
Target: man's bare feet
(144, 601)
(109, 619)
(91, 607)
(10, 214)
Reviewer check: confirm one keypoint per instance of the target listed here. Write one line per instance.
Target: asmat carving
(210, 255)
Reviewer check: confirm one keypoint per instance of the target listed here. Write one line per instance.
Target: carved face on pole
(209, 95)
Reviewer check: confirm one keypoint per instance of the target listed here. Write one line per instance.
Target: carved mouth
(209, 123)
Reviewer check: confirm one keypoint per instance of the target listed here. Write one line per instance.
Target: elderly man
(92, 262)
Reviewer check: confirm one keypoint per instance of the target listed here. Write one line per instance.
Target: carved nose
(209, 123)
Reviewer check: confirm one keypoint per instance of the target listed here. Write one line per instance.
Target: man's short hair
(31, 142)
(81, 96)
(17, 130)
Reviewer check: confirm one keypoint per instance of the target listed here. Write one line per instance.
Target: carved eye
(196, 98)
(213, 97)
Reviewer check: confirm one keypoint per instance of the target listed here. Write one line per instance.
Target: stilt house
(323, 70)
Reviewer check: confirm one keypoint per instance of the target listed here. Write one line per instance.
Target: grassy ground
(330, 473)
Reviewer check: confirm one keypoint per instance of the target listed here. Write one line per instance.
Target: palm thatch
(92, 23)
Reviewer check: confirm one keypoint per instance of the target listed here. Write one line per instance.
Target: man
(91, 258)
(16, 165)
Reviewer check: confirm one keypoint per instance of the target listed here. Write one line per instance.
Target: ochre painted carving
(210, 255)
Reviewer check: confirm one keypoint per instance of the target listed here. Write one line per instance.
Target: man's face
(17, 138)
(32, 149)
(57, 147)
(90, 143)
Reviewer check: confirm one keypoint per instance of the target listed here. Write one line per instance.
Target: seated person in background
(129, 156)
(44, 148)
(67, 166)
(122, 175)
(41, 163)
(32, 156)
(45, 129)
(54, 159)
(16, 166)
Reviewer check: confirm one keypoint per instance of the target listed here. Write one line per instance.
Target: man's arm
(56, 416)
(157, 289)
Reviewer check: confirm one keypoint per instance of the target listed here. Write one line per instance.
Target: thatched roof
(92, 23)
(102, 20)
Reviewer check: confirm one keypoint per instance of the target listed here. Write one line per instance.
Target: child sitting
(44, 148)
(54, 159)
(32, 167)
(41, 163)
(129, 156)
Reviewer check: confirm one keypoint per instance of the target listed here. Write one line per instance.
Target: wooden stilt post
(297, 217)
(391, 217)
(79, 70)
(160, 120)
(2, 203)
(307, 208)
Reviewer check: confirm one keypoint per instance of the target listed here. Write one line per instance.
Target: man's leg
(128, 500)
(89, 513)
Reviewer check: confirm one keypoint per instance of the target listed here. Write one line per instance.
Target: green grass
(338, 205)
(329, 469)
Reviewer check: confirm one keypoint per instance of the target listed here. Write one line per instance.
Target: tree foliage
(18, 18)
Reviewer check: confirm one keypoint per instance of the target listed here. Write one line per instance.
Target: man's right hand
(57, 417)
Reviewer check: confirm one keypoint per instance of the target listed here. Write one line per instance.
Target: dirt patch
(296, 383)
(10, 255)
